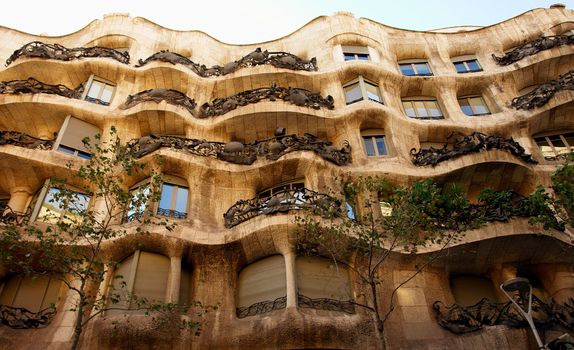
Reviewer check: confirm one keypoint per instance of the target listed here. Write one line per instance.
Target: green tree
(69, 244)
(422, 214)
(563, 186)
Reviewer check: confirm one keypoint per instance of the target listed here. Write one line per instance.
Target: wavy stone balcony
(282, 202)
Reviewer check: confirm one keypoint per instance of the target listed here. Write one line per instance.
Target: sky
(254, 21)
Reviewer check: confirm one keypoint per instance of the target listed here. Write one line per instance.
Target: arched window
(473, 105)
(173, 200)
(143, 275)
(374, 142)
(99, 91)
(362, 89)
(33, 293)
(470, 289)
(262, 287)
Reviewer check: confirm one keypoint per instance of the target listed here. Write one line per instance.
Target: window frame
(464, 60)
(97, 100)
(373, 134)
(412, 63)
(178, 184)
(362, 84)
(422, 99)
(51, 279)
(468, 99)
(41, 199)
(561, 135)
(58, 146)
(356, 51)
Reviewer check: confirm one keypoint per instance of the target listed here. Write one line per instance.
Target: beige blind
(74, 131)
(355, 49)
(264, 280)
(185, 287)
(31, 293)
(321, 278)
(151, 276)
(121, 282)
(469, 290)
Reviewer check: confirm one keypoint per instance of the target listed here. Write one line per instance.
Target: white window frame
(355, 50)
(177, 183)
(464, 60)
(95, 100)
(361, 82)
(422, 99)
(42, 198)
(413, 63)
(474, 113)
(373, 134)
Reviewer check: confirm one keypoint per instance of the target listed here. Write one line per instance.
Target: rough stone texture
(217, 254)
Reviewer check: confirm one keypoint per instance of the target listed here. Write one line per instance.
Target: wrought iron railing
(544, 92)
(170, 96)
(34, 86)
(262, 307)
(346, 306)
(467, 144)
(21, 139)
(10, 217)
(282, 202)
(21, 318)
(96, 101)
(533, 47)
(463, 319)
(171, 213)
(238, 153)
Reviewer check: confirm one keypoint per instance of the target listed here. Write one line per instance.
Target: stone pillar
(174, 280)
(291, 274)
(19, 197)
(558, 280)
(498, 275)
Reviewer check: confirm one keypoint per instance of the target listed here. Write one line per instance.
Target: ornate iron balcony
(21, 318)
(533, 47)
(21, 139)
(282, 202)
(171, 213)
(262, 307)
(10, 217)
(543, 93)
(170, 96)
(34, 86)
(346, 306)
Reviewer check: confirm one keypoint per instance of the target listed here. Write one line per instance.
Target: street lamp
(523, 287)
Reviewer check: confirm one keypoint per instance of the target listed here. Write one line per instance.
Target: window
(411, 68)
(473, 106)
(374, 143)
(264, 281)
(33, 293)
(71, 136)
(386, 208)
(173, 201)
(291, 193)
(351, 53)
(557, 145)
(422, 108)
(99, 91)
(140, 195)
(466, 64)
(321, 278)
(360, 89)
(58, 206)
(143, 275)
(469, 289)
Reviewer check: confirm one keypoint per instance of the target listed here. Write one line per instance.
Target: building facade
(250, 133)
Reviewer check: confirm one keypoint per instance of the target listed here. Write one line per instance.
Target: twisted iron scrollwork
(463, 319)
(297, 96)
(282, 202)
(533, 47)
(255, 58)
(262, 307)
(467, 144)
(34, 86)
(271, 148)
(39, 49)
(21, 318)
(8, 216)
(346, 306)
(21, 139)
(543, 93)
(171, 96)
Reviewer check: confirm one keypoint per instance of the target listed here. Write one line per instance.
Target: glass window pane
(349, 56)
(473, 66)
(373, 92)
(139, 202)
(181, 202)
(407, 69)
(570, 139)
(68, 150)
(107, 93)
(409, 109)
(353, 93)
(465, 106)
(421, 110)
(369, 147)
(422, 69)
(460, 67)
(350, 211)
(433, 109)
(363, 56)
(558, 144)
(381, 146)
(165, 201)
(478, 105)
(95, 89)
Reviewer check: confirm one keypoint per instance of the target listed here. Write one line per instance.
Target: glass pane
(350, 211)
(51, 208)
(107, 93)
(473, 66)
(84, 155)
(465, 106)
(65, 149)
(139, 202)
(353, 93)
(381, 146)
(95, 89)
(407, 69)
(386, 209)
(460, 67)
(363, 56)
(544, 146)
(570, 140)
(369, 147)
(181, 203)
(421, 110)
(479, 106)
(165, 201)
(409, 109)
(422, 69)
(433, 109)
(373, 92)
(558, 144)
(349, 56)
